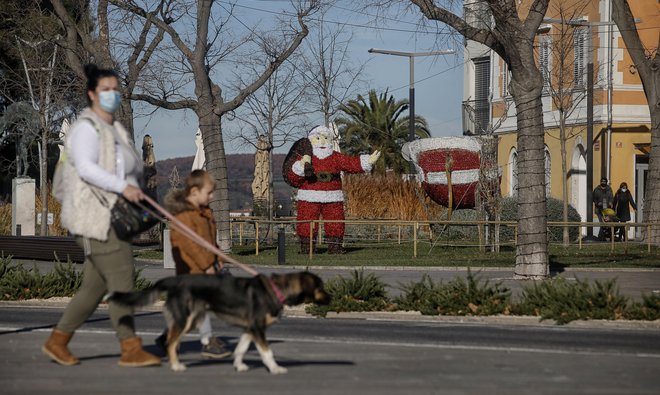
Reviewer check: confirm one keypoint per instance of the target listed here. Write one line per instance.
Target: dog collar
(276, 291)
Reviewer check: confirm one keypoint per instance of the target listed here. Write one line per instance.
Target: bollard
(18, 229)
(281, 246)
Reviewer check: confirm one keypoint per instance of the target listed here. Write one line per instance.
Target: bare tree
(328, 69)
(129, 53)
(647, 64)
(44, 83)
(198, 58)
(511, 34)
(277, 112)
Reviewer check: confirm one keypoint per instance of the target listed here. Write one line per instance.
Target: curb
(411, 316)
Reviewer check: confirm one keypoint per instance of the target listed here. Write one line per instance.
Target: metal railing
(245, 229)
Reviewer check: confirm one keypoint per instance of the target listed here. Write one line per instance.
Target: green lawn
(394, 254)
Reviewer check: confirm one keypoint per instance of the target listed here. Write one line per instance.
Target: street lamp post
(411, 89)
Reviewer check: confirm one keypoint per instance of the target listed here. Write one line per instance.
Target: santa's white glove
(298, 167)
(374, 157)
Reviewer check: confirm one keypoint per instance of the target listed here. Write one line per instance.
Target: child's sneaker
(215, 349)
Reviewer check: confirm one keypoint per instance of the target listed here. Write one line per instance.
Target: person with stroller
(622, 201)
(602, 198)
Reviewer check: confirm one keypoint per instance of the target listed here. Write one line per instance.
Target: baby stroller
(609, 216)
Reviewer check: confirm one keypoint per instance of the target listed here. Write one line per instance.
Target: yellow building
(573, 34)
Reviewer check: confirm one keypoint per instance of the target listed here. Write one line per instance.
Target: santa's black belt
(324, 176)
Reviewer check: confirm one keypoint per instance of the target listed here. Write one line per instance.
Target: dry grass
(388, 196)
(5, 219)
(54, 207)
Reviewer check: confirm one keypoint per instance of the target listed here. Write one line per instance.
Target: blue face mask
(109, 101)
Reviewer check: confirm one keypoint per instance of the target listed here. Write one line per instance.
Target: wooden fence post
(415, 239)
(311, 239)
(256, 237)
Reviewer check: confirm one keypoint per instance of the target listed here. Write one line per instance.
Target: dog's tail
(141, 298)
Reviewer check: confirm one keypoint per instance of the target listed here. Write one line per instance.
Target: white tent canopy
(200, 159)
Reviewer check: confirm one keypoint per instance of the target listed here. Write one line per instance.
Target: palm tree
(378, 124)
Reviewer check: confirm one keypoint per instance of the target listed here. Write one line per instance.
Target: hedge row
(558, 299)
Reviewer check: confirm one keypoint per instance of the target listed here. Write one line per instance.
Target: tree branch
(433, 12)
(163, 103)
(230, 105)
(176, 39)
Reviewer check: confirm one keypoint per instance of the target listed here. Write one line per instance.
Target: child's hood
(175, 202)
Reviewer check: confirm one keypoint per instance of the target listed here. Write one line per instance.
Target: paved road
(344, 356)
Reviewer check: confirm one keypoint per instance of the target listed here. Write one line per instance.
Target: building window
(513, 173)
(481, 94)
(545, 49)
(579, 50)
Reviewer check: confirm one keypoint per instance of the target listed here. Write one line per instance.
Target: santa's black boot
(335, 245)
(304, 245)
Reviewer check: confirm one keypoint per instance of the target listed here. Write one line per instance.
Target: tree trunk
(43, 183)
(216, 165)
(564, 186)
(532, 244)
(652, 195)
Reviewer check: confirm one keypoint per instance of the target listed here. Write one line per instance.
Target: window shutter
(481, 93)
(579, 48)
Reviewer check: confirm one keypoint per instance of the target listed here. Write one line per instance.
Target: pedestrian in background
(602, 198)
(623, 199)
(102, 163)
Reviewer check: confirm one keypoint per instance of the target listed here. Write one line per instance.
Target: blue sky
(438, 79)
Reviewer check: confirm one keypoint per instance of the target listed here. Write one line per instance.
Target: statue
(314, 167)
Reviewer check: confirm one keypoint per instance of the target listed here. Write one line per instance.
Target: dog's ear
(312, 288)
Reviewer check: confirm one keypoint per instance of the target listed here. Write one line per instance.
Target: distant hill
(240, 169)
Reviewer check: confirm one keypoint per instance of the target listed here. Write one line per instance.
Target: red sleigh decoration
(431, 156)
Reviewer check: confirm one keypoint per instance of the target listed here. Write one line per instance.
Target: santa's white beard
(322, 152)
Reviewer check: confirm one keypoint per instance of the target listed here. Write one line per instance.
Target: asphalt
(632, 283)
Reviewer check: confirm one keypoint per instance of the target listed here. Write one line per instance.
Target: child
(190, 206)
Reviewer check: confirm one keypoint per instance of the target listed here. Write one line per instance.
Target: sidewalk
(631, 282)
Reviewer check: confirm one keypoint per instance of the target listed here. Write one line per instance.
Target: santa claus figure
(317, 175)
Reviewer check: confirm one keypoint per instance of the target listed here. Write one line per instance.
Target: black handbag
(129, 219)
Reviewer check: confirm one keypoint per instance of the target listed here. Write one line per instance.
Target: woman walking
(622, 201)
(102, 164)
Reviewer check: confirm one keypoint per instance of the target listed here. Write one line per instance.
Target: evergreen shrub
(648, 309)
(361, 292)
(469, 296)
(567, 300)
(19, 283)
(554, 212)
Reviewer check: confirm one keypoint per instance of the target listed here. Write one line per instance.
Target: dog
(252, 303)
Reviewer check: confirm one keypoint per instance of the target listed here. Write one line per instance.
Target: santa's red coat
(320, 197)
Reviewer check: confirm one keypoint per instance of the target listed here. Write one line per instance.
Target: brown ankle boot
(56, 348)
(133, 356)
